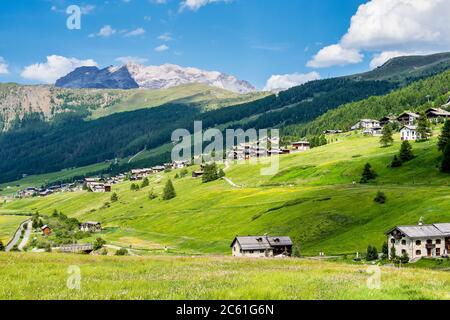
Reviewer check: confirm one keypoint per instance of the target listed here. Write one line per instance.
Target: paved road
(26, 236)
(231, 183)
(16, 238)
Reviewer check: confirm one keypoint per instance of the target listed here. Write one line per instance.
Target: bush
(169, 191)
(122, 252)
(404, 258)
(372, 253)
(210, 173)
(152, 195)
(380, 198)
(145, 183)
(368, 174)
(99, 243)
(406, 153)
(396, 162)
(114, 197)
(2, 246)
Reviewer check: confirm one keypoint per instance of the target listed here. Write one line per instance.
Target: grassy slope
(8, 226)
(199, 94)
(312, 199)
(44, 276)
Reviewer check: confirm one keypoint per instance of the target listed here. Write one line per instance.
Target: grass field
(312, 199)
(8, 226)
(45, 276)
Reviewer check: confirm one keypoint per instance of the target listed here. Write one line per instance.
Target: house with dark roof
(408, 118)
(432, 240)
(434, 114)
(261, 246)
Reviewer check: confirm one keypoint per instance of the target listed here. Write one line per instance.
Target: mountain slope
(311, 199)
(133, 75)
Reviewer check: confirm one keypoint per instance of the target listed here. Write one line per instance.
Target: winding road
(17, 235)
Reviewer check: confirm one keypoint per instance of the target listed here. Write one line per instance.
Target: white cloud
(135, 33)
(127, 59)
(194, 5)
(105, 32)
(286, 81)
(387, 27)
(335, 55)
(162, 48)
(3, 66)
(167, 36)
(54, 68)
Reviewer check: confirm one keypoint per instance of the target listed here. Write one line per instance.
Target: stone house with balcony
(261, 246)
(420, 241)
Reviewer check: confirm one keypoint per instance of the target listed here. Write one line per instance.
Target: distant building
(434, 114)
(261, 246)
(91, 226)
(366, 124)
(301, 146)
(408, 118)
(197, 174)
(409, 133)
(387, 120)
(420, 241)
(46, 230)
(99, 187)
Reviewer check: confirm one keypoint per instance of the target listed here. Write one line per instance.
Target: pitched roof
(409, 127)
(280, 241)
(430, 230)
(261, 242)
(411, 114)
(438, 111)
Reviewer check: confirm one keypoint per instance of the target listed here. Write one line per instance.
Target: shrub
(2, 246)
(406, 153)
(169, 191)
(396, 162)
(152, 195)
(380, 198)
(114, 197)
(368, 174)
(99, 243)
(145, 183)
(372, 253)
(210, 173)
(386, 139)
(122, 252)
(445, 164)
(404, 258)
(444, 138)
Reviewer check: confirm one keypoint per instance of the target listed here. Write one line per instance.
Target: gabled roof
(438, 111)
(430, 230)
(409, 127)
(261, 242)
(280, 241)
(408, 113)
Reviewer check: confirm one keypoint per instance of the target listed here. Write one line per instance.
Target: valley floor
(49, 276)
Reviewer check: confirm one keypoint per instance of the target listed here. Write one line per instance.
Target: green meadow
(8, 226)
(312, 198)
(45, 276)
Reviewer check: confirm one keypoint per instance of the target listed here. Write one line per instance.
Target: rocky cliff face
(134, 75)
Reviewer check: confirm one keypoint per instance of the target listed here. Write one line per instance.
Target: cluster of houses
(43, 192)
(407, 122)
(139, 174)
(89, 226)
(263, 148)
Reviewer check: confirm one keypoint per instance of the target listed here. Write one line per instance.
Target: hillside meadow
(46, 276)
(313, 199)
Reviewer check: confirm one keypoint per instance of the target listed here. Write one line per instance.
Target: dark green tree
(114, 197)
(386, 138)
(444, 138)
(99, 243)
(396, 162)
(445, 164)
(393, 254)
(404, 258)
(210, 173)
(221, 173)
(145, 183)
(368, 174)
(424, 131)
(372, 253)
(169, 191)
(385, 249)
(380, 198)
(406, 153)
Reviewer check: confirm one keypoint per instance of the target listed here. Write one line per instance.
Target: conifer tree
(169, 191)
(445, 165)
(406, 153)
(387, 139)
(424, 128)
(368, 174)
(396, 162)
(444, 138)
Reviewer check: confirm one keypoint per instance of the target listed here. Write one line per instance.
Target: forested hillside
(431, 92)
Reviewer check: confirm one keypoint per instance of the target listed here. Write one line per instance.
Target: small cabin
(91, 226)
(366, 124)
(387, 120)
(46, 230)
(435, 114)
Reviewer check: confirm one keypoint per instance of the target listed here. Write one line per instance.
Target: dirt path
(26, 236)
(231, 183)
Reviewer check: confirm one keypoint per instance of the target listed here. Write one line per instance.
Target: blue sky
(251, 39)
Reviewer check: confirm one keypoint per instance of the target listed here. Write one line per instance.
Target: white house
(261, 246)
(301, 146)
(408, 118)
(409, 133)
(366, 124)
(420, 241)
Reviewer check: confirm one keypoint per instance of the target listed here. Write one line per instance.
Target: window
(392, 240)
(429, 241)
(438, 241)
(404, 242)
(403, 251)
(418, 252)
(418, 243)
(251, 251)
(438, 251)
